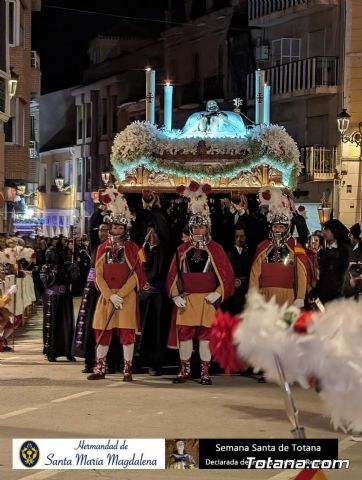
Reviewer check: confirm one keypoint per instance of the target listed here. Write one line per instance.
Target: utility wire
(140, 19)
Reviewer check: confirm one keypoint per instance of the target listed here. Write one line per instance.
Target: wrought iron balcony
(265, 13)
(314, 75)
(319, 161)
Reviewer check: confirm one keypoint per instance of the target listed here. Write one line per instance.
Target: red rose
(266, 195)
(194, 186)
(206, 188)
(181, 189)
(301, 208)
(105, 198)
(302, 322)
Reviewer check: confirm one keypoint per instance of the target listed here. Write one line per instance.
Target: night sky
(61, 37)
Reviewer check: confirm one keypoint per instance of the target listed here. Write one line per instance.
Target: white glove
(179, 301)
(116, 300)
(299, 302)
(212, 297)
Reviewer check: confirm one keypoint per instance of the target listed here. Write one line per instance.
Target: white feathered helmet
(197, 196)
(277, 204)
(116, 207)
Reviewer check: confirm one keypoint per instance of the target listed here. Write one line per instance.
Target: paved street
(39, 399)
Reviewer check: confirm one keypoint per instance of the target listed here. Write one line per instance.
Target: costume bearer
(200, 276)
(280, 265)
(118, 281)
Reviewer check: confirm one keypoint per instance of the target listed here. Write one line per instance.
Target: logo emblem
(29, 453)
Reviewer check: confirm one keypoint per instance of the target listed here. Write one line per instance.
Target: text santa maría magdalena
(113, 459)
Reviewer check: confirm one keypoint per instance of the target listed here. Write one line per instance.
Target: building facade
(5, 78)
(311, 53)
(206, 53)
(78, 125)
(19, 153)
(58, 210)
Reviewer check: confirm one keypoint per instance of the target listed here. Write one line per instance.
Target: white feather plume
(333, 350)
(276, 202)
(197, 201)
(118, 205)
(263, 334)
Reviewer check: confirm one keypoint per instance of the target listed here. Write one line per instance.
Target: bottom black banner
(272, 453)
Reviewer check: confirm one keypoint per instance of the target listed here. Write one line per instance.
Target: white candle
(167, 108)
(266, 104)
(259, 95)
(150, 95)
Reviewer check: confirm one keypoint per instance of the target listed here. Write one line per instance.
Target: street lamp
(324, 212)
(59, 183)
(106, 176)
(343, 119)
(13, 83)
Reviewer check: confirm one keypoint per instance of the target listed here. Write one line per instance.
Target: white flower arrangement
(276, 142)
(138, 139)
(141, 143)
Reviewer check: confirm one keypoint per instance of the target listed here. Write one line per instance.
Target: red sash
(277, 275)
(202, 282)
(115, 274)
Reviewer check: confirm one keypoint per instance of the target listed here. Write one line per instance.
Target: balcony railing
(319, 161)
(191, 93)
(214, 87)
(306, 74)
(35, 60)
(262, 8)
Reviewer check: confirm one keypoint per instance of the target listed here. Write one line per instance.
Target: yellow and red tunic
(115, 278)
(287, 281)
(197, 285)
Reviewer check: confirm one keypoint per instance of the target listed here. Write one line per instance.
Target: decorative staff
(290, 408)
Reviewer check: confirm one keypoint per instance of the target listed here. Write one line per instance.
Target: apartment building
(311, 52)
(112, 93)
(76, 140)
(207, 46)
(19, 158)
(5, 79)
(58, 209)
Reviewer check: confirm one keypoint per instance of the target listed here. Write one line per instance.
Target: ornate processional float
(213, 147)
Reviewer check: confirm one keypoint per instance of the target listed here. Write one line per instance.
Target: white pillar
(167, 108)
(266, 104)
(150, 95)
